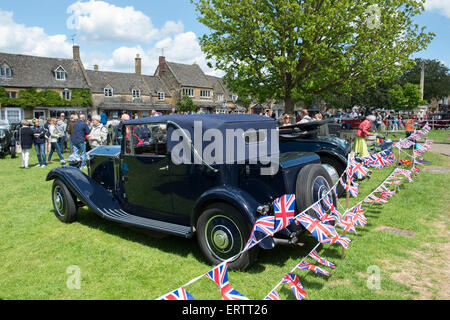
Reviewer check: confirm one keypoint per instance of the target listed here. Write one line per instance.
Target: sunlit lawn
(119, 263)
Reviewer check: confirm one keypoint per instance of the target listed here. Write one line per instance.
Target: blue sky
(111, 33)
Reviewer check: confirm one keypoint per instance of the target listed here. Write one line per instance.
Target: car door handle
(166, 168)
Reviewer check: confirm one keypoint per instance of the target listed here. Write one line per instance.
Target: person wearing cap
(98, 134)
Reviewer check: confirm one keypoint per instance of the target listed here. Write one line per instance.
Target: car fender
(87, 190)
(236, 197)
(333, 154)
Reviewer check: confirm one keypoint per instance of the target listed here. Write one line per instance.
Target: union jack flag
(178, 294)
(380, 160)
(284, 208)
(308, 266)
(358, 169)
(347, 225)
(264, 225)
(318, 229)
(313, 254)
(323, 216)
(220, 276)
(329, 203)
(273, 295)
(394, 182)
(351, 189)
(357, 214)
(295, 284)
(404, 172)
(343, 241)
(373, 198)
(385, 192)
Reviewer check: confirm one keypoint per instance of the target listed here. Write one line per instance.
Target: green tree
(437, 78)
(185, 104)
(407, 97)
(293, 50)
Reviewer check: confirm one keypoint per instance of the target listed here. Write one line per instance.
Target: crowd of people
(74, 135)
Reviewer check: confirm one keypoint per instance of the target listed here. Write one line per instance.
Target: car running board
(118, 215)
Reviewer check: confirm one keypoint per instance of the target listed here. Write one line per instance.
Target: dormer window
(161, 96)
(136, 93)
(5, 71)
(60, 74)
(109, 92)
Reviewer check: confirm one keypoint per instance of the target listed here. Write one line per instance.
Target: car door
(146, 173)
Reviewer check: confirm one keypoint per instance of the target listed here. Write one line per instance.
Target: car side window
(146, 139)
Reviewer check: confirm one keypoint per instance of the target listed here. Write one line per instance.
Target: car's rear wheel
(64, 203)
(313, 182)
(222, 233)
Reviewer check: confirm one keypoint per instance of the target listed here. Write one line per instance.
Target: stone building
(133, 93)
(22, 72)
(208, 92)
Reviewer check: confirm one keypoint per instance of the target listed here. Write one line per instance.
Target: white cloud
(181, 48)
(18, 38)
(443, 6)
(99, 21)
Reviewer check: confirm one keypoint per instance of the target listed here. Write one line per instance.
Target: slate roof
(123, 83)
(220, 88)
(38, 72)
(189, 75)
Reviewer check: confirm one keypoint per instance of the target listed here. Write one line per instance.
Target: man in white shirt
(305, 117)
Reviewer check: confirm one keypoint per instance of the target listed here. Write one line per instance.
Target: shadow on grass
(167, 243)
(184, 247)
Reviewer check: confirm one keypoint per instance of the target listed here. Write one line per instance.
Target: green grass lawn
(119, 263)
(438, 136)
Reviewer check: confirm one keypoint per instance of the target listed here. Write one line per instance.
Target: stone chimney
(162, 65)
(95, 67)
(76, 53)
(138, 64)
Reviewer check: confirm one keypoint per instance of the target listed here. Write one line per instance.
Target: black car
(162, 178)
(7, 140)
(315, 137)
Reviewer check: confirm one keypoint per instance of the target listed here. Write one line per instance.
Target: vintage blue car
(167, 176)
(314, 137)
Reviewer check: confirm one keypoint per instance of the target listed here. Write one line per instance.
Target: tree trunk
(289, 106)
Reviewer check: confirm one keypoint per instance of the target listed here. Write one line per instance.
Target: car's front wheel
(222, 234)
(63, 202)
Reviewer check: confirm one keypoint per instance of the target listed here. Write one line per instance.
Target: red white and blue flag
(178, 294)
(343, 241)
(351, 188)
(313, 254)
(308, 266)
(220, 276)
(332, 207)
(318, 229)
(284, 208)
(358, 169)
(264, 225)
(374, 199)
(323, 216)
(293, 281)
(273, 295)
(347, 224)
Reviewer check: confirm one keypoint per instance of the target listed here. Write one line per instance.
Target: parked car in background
(349, 123)
(439, 120)
(314, 137)
(7, 140)
(138, 183)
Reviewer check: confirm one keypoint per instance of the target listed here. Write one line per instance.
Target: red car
(351, 123)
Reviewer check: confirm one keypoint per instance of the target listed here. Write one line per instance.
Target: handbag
(18, 145)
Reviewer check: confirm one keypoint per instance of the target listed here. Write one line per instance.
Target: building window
(60, 73)
(219, 97)
(205, 94)
(188, 92)
(13, 115)
(136, 93)
(65, 94)
(5, 71)
(161, 96)
(12, 94)
(109, 92)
